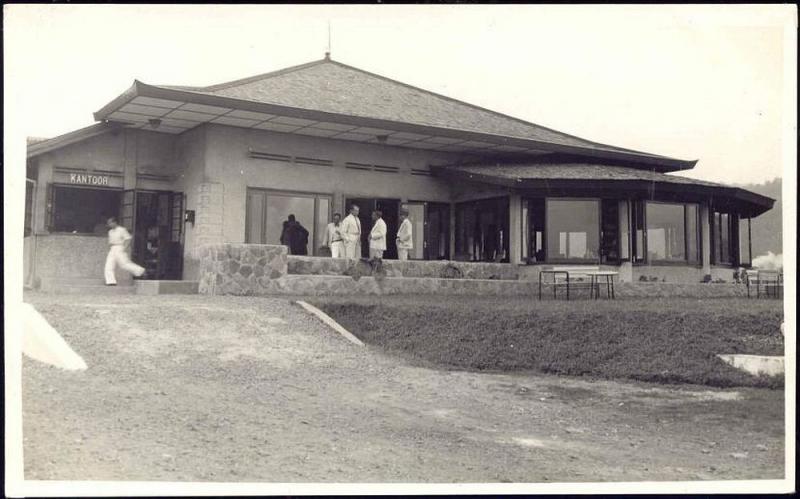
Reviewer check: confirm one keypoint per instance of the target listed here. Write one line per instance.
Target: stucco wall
(228, 162)
(190, 153)
(66, 256)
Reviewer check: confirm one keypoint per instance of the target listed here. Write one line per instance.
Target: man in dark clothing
(295, 236)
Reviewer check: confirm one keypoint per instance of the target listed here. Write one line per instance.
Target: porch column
(129, 144)
(514, 229)
(452, 238)
(705, 231)
(208, 216)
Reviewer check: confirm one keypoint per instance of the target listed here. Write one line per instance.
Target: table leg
(613, 297)
(540, 286)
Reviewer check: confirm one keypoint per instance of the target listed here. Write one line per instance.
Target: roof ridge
(251, 79)
(497, 113)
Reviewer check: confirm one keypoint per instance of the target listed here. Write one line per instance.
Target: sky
(688, 82)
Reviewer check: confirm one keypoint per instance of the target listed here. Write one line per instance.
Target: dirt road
(252, 389)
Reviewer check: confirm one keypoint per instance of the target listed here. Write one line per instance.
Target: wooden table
(595, 277)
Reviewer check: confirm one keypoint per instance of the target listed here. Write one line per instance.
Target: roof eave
(751, 203)
(68, 138)
(658, 163)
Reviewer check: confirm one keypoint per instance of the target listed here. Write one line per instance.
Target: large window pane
(745, 258)
(482, 230)
(279, 207)
(637, 226)
(255, 217)
(573, 231)
(416, 214)
(84, 210)
(624, 231)
(666, 232)
(323, 218)
(692, 233)
(724, 238)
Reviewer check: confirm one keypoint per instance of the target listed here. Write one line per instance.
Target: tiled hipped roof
(334, 87)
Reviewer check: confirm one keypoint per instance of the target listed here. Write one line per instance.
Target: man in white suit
(405, 241)
(333, 237)
(118, 240)
(350, 229)
(377, 236)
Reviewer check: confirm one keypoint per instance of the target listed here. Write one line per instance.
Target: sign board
(88, 179)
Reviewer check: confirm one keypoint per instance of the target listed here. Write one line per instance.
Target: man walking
(405, 241)
(333, 237)
(377, 236)
(350, 231)
(118, 240)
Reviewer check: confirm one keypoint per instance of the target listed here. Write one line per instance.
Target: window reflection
(573, 229)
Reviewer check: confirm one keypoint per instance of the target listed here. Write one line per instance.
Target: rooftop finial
(328, 52)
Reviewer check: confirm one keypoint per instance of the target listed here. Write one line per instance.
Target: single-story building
(186, 166)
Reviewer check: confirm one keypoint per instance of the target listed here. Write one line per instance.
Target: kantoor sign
(86, 179)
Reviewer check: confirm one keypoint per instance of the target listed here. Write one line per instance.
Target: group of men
(343, 237)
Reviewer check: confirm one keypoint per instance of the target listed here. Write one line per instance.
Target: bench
(766, 280)
(568, 277)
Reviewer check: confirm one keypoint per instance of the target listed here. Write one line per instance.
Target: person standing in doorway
(405, 241)
(350, 231)
(333, 237)
(377, 236)
(118, 240)
(295, 236)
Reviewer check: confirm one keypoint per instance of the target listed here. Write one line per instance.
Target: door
(437, 234)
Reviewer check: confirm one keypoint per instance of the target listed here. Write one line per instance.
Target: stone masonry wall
(309, 265)
(240, 269)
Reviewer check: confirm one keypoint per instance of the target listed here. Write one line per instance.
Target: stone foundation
(309, 265)
(240, 269)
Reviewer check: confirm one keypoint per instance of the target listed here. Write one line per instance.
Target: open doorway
(156, 218)
(390, 213)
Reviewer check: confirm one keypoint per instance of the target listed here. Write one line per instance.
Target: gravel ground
(253, 389)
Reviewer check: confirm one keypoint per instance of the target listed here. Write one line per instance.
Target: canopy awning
(574, 178)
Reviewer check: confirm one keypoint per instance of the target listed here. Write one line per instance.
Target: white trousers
(118, 257)
(337, 249)
(402, 253)
(352, 249)
(375, 253)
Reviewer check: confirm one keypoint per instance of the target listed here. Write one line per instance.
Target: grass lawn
(664, 340)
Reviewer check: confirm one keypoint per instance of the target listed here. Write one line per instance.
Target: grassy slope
(667, 341)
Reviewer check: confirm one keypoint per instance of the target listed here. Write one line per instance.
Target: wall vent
(386, 169)
(358, 166)
(313, 161)
(270, 156)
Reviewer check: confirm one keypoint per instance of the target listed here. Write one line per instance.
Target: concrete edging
(325, 318)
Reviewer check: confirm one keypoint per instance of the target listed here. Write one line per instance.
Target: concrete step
(159, 287)
(84, 285)
(88, 289)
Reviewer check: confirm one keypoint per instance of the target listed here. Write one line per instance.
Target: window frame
(688, 259)
(51, 209)
(547, 257)
(285, 193)
(733, 238)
